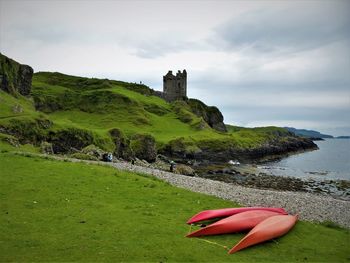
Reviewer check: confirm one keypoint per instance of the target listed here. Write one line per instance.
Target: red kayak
(270, 228)
(225, 212)
(235, 223)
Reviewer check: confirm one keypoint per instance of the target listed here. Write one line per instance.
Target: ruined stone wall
(175, 87)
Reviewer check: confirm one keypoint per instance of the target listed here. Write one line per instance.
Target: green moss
(9, 69)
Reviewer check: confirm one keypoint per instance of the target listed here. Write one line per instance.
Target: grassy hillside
(74, 112)
(102, 105)
(61, 211)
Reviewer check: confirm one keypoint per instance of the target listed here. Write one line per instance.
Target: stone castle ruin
(175, 87)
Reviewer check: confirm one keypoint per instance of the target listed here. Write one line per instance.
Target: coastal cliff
(15, 77)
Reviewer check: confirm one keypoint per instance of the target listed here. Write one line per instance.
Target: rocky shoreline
(250, 176)
(309, 206)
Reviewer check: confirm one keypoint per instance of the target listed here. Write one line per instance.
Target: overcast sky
(284, 63)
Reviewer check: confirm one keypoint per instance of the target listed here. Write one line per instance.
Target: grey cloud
(318, 118)
(287, 29)
(209, 80)
(160, 47)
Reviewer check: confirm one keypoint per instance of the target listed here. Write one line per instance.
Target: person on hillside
(172, 166)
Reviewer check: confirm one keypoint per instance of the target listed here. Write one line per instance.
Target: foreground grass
(61, 211)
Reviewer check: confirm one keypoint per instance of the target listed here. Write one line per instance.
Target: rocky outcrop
(225, 150)
(122, 144)
(14, 77)
(70, 140)
(144, 147)
(210, 114)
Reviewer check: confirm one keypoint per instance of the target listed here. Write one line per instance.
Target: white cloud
(252, 55)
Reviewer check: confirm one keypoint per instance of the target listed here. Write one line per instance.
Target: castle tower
(175, 87)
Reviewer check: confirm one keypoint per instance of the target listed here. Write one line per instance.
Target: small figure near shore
(234, 162)
(107, 157)
(172, 166)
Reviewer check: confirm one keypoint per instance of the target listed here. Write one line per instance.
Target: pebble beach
(309, 206)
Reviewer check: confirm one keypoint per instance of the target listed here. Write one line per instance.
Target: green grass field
(61, 211)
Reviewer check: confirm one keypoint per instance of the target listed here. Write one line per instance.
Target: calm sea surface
(331, 161)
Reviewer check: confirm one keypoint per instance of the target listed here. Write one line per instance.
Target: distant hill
(308, 133)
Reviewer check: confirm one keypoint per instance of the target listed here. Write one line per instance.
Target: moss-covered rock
(70, 140)
(184, 169)
(9, 139)
(14, 77)
(210, 114)
(183, 111)
(144, 147)
(27, 130)
(181, 148)
(46, 147)
(83, 156)
(122, 144)
(93, 151)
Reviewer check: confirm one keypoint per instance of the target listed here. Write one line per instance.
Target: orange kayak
(235, 223)
(225, 212)
(270, 228)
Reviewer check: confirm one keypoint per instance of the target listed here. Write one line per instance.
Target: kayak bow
(270, 228)
(225, 212)
(235, 223)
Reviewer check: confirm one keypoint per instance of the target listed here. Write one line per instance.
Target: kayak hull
(236, 223)
(268, 229)
(225, 212)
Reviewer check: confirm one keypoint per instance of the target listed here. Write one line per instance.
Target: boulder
(93, 151)
(144, 147)
(184, 169)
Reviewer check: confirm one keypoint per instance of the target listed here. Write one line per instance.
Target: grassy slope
(100, 105)
(60, 211)
(130, 111)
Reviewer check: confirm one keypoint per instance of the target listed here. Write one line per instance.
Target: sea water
(331, 161)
